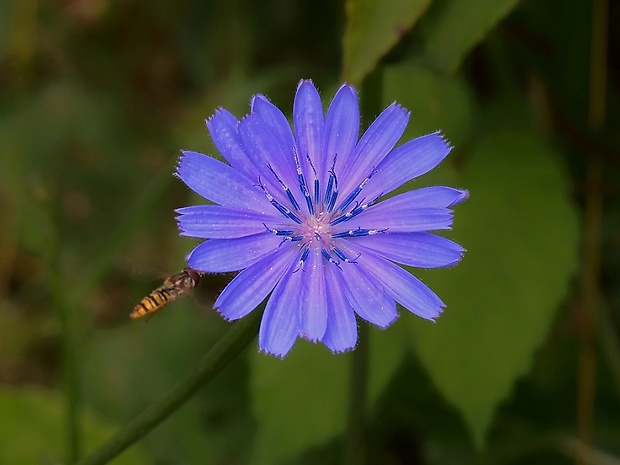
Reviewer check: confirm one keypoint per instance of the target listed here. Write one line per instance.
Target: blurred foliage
(97, 99)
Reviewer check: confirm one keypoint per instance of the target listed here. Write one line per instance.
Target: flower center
(316, 228)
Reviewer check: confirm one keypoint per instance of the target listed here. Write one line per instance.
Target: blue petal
(312, 299)
(222, 255)
(275, 120)
(373, 147)
(223, 129)
(341, 332)
(342, 125)
(367, 299)
(427, 197)
(433, 197)
(250, 287)
(412, 159)
(420, 249)
(419, 210)
(216, 222)
(266, 150)
(308, 123)
(219, 183)
(399, 284)
(399, 219)
(279, 327)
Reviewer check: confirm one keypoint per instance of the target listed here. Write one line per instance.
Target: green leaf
(436, 102)
(522, 237)
(454, 27)
(301, 401)
(31, 429)
(373, 28)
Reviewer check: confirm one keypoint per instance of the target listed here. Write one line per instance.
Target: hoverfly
(174, 286)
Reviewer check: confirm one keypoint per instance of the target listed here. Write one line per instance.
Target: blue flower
(300, 212)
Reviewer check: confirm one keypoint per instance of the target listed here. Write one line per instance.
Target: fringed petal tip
(314, 340)
(444, 146)
(346, 86)
(463, 196)
(218, 110)
(398, 106)
(340, 351)
(441, 136)
(304, 82)
(258, 99)
(273, 354)
(225, 317)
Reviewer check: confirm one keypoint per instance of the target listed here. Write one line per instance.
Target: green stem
(224, 351)
(356, 422)
(69, 333)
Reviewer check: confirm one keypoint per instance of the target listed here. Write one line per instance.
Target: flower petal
(399, 284)
(410, 160)
(367, 299)
(308, 122)
(420, 249)
(342, 126)
(216, 222)
(220, 183)
(401, 219)
(267, 151)
(312, 297)
(250, 287)
(223, 129)
(279, 327)
(423, 209)
(341, 332)
(222, 255)
(373, 147)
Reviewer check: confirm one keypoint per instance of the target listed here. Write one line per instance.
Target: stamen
(340, 254)
(316, 181)
(304, 257)
(302, 182)
(359, 232)
(356, 191)
(353, 213)
(286, 189)
(330, 196)
(316, 191)
(278, 232)
(329, 258)
(281, 208)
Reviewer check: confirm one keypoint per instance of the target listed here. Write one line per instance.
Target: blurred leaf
(522, 236)
(436, 102)
(302, 401)
(454, 27)
(373, 28)
(31, 428)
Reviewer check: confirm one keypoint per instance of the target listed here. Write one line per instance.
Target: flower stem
(222, 353)
(70, 342)
(354, 439)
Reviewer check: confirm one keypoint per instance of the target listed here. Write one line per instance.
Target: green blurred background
(97, 97)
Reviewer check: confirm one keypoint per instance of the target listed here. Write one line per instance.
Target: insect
(174, 286)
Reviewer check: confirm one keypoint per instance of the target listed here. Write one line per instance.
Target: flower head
(300, 212)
